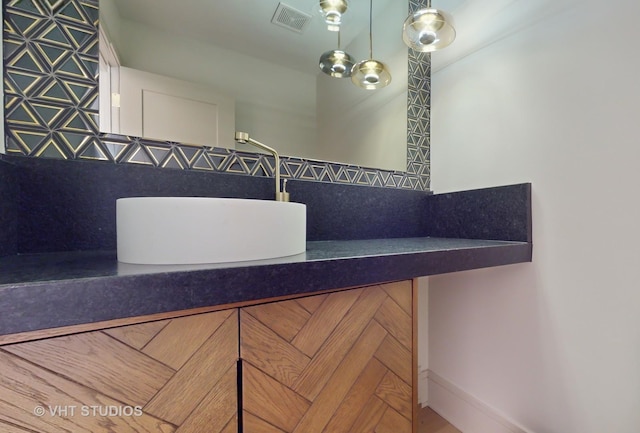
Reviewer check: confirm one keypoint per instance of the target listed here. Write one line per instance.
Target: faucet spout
(243, 137)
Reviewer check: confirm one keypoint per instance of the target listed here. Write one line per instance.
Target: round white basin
(196, 230)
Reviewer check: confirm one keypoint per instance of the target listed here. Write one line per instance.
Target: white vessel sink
(196, 230)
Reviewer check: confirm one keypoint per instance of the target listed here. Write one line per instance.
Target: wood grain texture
(8, 428)
(173, 346)
(269, 400)
(356, 377)
(311, 303)
(392, 422)
(266, 350)
(26, 388)
(137, 336)
(232, 426)
(337, 345)
(414, 357)
(87, 382)
(205, 368)
(323, 407)
(284, 318)
(431, 422)
(99, 362)
(216, 410)
(401, 292)
(358, 370)
(253, 424)
(396, 357)
(324, 320)
(396, 393)
(370, 416)
(356, 399)
(396, 322)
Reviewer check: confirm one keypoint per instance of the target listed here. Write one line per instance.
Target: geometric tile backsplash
(51, 106)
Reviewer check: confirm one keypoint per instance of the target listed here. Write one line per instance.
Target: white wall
(368, 127)
(291, 132)
(553, 346)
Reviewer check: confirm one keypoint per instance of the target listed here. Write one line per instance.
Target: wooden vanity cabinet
(335, 362)
(176, 375)
(338, 362)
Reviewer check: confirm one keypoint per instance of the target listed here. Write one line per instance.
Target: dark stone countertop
(42, 291)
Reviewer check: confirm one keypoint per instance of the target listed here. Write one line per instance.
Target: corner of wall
(423, 387)
(463, 410)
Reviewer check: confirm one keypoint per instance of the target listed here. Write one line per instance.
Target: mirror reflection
(194, 71)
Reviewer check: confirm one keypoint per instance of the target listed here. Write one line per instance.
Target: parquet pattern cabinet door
(177, 375)
(339, 363)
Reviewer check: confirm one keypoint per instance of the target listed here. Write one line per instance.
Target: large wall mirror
(232, 52)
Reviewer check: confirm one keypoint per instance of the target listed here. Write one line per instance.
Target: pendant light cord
(370, 30)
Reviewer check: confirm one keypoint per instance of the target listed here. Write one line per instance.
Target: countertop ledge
(44, 291)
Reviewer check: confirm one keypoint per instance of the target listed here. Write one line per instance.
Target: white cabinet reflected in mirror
(194, 61)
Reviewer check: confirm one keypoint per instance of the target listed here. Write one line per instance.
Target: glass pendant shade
(336, 63)
(370, 74)
(428, 30)
(332, 11)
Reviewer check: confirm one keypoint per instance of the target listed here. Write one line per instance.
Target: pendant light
(428, 29)
(332, 11)
(370, 74)
(336, 63)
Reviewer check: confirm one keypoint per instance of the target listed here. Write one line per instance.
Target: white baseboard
(466, 412)
(423, 388)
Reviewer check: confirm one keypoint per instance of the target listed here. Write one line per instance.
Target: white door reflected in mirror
(163, 108)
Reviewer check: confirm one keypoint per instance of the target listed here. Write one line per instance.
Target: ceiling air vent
(290, 18)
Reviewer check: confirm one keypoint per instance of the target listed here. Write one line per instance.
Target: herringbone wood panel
(340, 363)
(180, 372)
